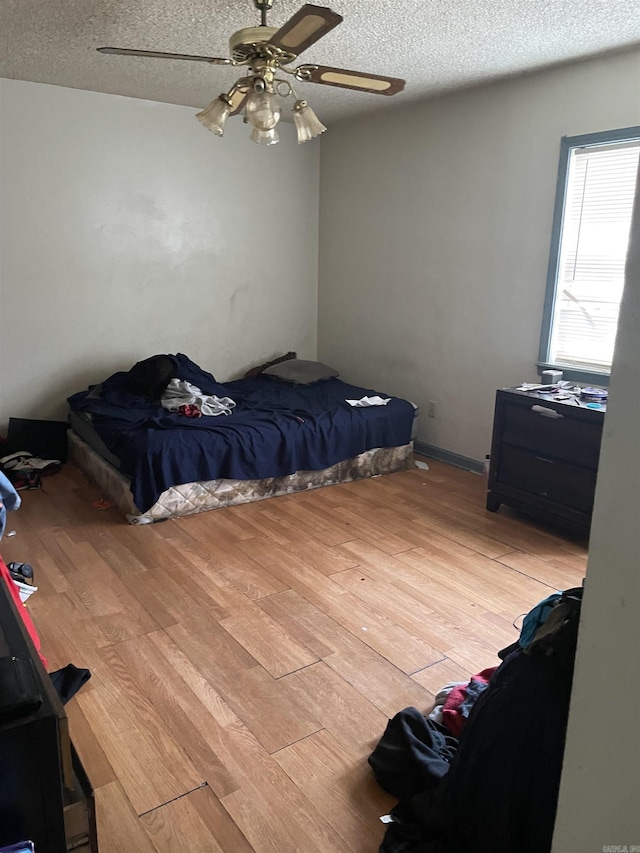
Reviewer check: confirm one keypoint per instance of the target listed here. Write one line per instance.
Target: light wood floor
(246, 660)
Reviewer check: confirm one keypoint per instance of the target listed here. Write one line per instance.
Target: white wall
(435, 224)
(127, 229)
(599, 804)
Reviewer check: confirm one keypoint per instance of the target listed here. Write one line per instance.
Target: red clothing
(13, 589)
(453, 715)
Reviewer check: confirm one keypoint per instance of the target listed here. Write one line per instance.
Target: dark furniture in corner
(45, 796)
(544, 457)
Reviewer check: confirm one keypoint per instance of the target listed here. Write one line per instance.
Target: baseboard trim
(448, 456)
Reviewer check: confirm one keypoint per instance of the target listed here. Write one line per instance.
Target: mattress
(191, 498)
(274, 429)
(276, 437)
(82, 425)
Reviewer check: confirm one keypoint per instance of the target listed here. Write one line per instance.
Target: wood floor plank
(351, 719)
(500, 588)
(221, 524)
(317, 524)
(92, 756)
(433, 498)
(78, 503)
(575, 560)
(68, 633)
(277, 607)
(406, 651)
(166, 601)
(195, 823)
(58, 545)
(356, 525)
(394, 604)
(119, 828)
(450, 605)
(418, 527)
(436, 676)
(555, 574)
(117, 613)
(302, 542)
(523, 534)
(268, 642)
(248, 576)
(382, 683)
(257, 518)
(222, 714)
(265, 705)
(453, 639)
(407, 489)
(204, 581)
(150, 765)
(272, 812)
(39, 512)
(343, 790)
(188, 721)
(119, 558)
(142, 587)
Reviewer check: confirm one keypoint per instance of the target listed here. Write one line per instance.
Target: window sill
(576, 374)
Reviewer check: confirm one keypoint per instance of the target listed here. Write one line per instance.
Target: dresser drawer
(549, 431)
(546, 477)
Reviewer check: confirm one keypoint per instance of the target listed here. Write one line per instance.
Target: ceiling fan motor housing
(245, 44)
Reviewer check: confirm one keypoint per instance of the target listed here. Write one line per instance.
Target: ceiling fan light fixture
(307, 123)
(215, 116)
(264, 137)
(262, 110)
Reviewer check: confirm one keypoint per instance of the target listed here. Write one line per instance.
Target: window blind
(593, 249)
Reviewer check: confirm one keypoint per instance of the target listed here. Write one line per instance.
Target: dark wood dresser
(45, 796)
(544, 457)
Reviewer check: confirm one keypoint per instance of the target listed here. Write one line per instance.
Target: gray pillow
(300, 372)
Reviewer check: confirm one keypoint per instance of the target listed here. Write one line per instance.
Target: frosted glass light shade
(307, 122)
(215, 116)
(264, 137)
(262, 110)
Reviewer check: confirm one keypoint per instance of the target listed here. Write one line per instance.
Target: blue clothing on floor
(9, 500)
(536, 617)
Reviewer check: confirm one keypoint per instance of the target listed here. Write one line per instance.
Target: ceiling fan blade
(358, 80)
(305, 28)
(155, 54)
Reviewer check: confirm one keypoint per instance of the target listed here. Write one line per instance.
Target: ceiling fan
(267, 51)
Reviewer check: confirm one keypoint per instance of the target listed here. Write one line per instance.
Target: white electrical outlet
(431, 409)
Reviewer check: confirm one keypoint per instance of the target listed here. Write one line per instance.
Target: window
(592, 220)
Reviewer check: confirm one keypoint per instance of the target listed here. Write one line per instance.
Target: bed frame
(191, 498)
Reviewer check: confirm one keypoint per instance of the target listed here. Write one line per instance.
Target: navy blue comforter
(276, 429)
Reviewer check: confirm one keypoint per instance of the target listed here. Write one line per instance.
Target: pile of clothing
(456, 699)
(187, 399)
(156, 378)
(482, 771)
(25, 471)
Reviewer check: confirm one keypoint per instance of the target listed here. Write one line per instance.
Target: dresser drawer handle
(546, 413)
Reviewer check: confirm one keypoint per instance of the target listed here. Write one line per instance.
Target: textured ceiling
(435, 45)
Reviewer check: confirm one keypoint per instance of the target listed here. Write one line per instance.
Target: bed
(280, 437)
